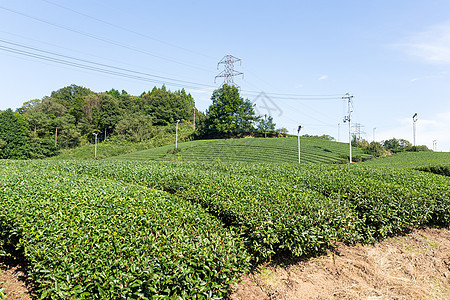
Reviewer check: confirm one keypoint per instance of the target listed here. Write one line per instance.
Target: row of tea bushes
(91, 238)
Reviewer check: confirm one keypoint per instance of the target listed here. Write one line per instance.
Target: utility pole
(176, 135)
(265, 125)
(298, 135)
(95, 147)
(373, 137)
(414, 128)
(229, 72)
(339, 131)
(56, 136)
(348, 118)
(194, 115)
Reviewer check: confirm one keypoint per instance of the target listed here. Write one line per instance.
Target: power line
(27, 38)
(125, 29)
(102, 39)
(94, 66)
(129, 73)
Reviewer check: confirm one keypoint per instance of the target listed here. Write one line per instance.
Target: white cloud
(323, 77)
(432, 45)
(298, 86)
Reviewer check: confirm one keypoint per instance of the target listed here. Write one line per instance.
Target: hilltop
(277, 150)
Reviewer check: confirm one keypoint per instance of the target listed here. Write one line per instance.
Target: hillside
(411, 160)
(278, 150)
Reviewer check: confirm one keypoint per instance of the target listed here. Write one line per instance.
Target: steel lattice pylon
(229, 72)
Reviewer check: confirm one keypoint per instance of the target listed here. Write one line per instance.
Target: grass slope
(278, 150)
(411, 160)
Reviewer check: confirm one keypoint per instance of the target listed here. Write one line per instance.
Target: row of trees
(70, 116)
(387, 147)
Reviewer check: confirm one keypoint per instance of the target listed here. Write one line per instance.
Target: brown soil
(12, 278)
(414, 266)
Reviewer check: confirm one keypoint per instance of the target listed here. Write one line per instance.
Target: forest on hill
(70, 117)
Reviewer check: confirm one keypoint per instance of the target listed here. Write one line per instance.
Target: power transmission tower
(348, 118)
(229, 72)
(358, 132)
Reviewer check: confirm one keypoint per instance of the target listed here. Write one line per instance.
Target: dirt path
(415, 266)
(13, 280)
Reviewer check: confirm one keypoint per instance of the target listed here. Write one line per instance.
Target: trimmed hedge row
(301, 210)
(92, 238)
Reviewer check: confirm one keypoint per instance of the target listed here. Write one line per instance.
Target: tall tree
(13, 135)
(72, 98)
(229, 114)
(166, 107)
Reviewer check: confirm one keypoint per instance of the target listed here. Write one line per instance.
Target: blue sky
(392, 56)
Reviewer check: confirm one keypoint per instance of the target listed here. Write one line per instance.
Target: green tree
(68, 135)
(13, 135)
(166, 107)
(72, 98)
(28, 106)
(229, 114)
(135, 128)
(266, 125)
(39, 123)
(396, 145)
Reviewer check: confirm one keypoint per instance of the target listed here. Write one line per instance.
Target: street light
(95, 151)
(414, 127)
(298, 135)
(176, 136)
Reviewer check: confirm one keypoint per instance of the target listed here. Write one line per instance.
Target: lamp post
(95, 148)
(176, 135)
(414, 128)
(298, 137)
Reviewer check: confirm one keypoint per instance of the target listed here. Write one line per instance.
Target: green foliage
(92, 238)
(13, 135)
(440, 170)
(273, 150)
(411, 160)
(166, 107)
(375, 149)
(229, 114)
(301, 211)
(123, 229)
(135, 128)
(75, 112)
(2, 294)
(325, 137)
(119, 145)
(396, 145)
(417, 148)
(266, 126)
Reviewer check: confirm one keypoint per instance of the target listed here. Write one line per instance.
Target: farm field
(273, 150)
(411, 160)
(138, 229)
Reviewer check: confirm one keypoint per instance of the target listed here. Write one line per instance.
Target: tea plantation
(271, 150)
(148, 230)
